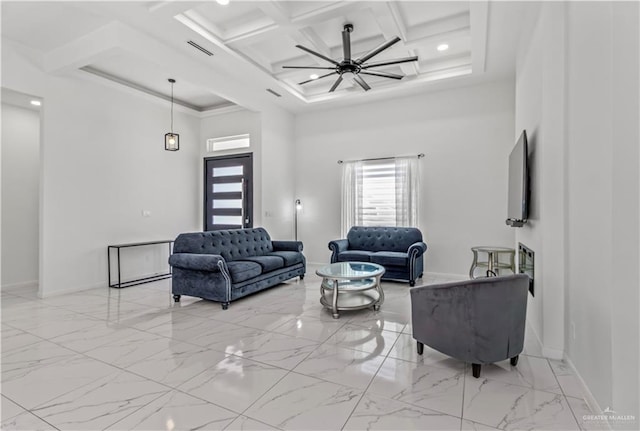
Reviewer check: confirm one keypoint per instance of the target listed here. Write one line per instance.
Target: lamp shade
(172, 142)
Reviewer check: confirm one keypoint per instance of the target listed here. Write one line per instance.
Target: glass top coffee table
(351, 286)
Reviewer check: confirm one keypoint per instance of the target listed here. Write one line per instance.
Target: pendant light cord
(172, 108)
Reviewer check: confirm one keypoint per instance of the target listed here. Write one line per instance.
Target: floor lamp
(298, 208)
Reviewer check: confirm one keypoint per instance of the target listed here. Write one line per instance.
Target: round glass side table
(493, 262)
(351, 286)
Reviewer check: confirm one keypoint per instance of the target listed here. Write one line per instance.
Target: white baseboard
(588, 396)
(21, 285)
(546, 351)
(552, 353)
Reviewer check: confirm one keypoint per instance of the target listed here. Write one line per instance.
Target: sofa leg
(420, 348)
(475, 368)
(514, 361)
(225, 305)
(301, 276)
(412, 283)
(176, 298)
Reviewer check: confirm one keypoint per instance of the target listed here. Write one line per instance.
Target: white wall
(540, 111)
(20, 195)
(236, 123)
(577, 94)
(466, 134)
(103, 163)
(272, 145)
(278, 173)
(602, 219)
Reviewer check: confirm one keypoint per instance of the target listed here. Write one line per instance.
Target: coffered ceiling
(141, 44)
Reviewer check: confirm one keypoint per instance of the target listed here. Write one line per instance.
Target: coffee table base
(351, 300)
(351, 286)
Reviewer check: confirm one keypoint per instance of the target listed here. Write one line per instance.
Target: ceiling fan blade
(307, 67)
(317, 54)
(315, 79)
(335, 84)
(382, 74)
(361, 82)
(387, 62)
(377, 50)
(346, 43)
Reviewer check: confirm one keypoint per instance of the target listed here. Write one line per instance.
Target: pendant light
(172, 140)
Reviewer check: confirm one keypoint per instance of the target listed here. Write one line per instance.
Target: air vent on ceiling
(195, 45)
(274, 93)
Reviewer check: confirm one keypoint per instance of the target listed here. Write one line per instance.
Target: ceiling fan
(356, 66)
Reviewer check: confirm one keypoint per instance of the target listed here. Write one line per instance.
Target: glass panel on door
(229, 192)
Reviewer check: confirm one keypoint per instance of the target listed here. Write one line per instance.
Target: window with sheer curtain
(380, 193)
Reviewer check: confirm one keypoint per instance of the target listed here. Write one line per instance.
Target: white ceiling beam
(85, 50)
(479, 16)
(442, 25)
(169, 7)
(327, 12)
(316, 42)
(204, 23)
(399, 23)
(391, 25)
(275, 11)
(266, 75)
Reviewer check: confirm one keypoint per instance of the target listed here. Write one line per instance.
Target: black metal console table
(143, 280)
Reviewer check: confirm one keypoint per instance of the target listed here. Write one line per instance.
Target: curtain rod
(421, 155)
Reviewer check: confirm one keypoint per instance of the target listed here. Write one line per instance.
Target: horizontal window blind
(380, 193)
(378, 199)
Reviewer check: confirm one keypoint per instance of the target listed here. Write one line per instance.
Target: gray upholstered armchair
(478, 321)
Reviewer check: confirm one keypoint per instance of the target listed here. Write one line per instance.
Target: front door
(228, 196)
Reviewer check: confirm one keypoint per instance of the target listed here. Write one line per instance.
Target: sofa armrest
(337, 246)
(287, 246)
(198, 262)
(417, 249)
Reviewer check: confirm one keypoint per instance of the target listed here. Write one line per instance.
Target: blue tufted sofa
(225, 265)
(398, 249)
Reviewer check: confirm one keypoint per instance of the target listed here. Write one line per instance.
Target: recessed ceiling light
(36, 102)
(442, 47)
(223, 2)
(313, 76)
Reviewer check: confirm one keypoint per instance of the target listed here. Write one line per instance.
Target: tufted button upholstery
(382, 238)
(231, 244)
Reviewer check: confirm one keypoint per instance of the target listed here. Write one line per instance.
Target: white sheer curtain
(357, 205)
(407, 183)
(351, 195)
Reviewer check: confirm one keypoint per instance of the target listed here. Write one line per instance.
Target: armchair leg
(301, 276)
(420, 348)
(475, 368)
(514, 361)
(176, 298)
(225, 305)
(412, 283)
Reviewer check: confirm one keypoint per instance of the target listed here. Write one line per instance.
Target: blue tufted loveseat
(398, 249)
(225, 265)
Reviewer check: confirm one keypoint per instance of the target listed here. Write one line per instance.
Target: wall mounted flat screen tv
(518, 199)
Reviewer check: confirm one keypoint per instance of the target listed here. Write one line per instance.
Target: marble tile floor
(132, 359)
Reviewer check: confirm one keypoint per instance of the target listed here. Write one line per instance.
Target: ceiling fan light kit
(354, 67)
